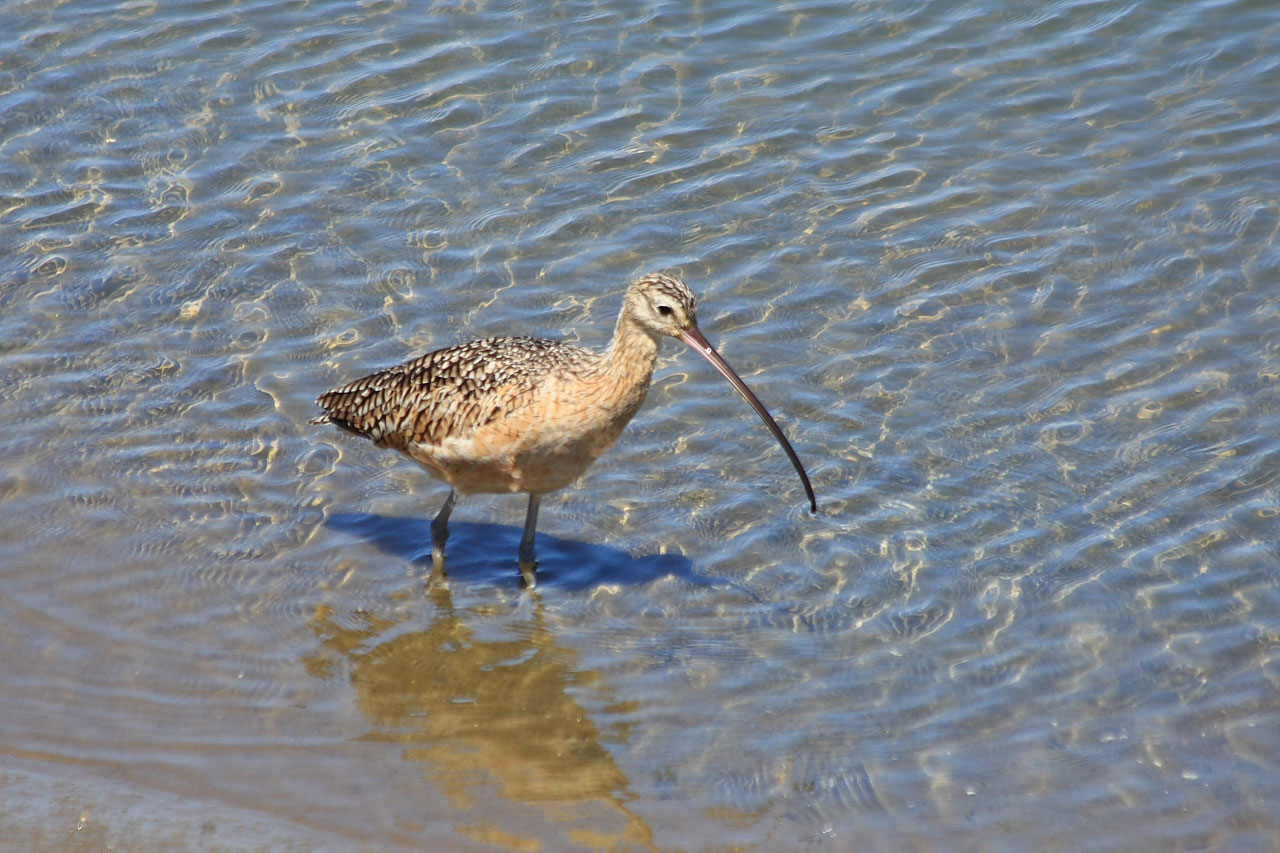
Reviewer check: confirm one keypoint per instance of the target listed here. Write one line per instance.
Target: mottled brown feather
(449, 393)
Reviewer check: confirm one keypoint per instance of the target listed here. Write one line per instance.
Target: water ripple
(1004, 275)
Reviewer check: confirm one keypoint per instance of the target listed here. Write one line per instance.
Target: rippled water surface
(1008, 275)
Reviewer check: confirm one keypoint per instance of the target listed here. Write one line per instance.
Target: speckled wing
(445, 394)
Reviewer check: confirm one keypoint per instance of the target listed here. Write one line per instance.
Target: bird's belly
(537, 455)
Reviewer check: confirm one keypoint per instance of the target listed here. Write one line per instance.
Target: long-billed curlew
(523, 414)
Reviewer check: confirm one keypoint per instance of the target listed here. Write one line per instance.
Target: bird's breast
(542, 446)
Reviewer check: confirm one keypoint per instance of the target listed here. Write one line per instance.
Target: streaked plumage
(517, 414)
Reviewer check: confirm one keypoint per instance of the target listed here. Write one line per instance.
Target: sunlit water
(1006, 273)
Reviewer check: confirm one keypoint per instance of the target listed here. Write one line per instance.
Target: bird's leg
(528, 565)
(440, 532)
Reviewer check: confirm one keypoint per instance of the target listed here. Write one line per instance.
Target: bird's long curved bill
(697, 342)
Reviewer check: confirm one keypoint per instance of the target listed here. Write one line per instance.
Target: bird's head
(662, 304)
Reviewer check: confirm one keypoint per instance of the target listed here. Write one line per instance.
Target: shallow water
(1007, 277)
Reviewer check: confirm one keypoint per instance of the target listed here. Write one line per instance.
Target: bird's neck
(631, 354)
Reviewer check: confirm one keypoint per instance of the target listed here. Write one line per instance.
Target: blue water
(1008, 277)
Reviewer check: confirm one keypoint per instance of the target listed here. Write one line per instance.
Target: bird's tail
(320, 419)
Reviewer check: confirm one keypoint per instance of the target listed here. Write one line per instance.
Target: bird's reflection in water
(493, 723)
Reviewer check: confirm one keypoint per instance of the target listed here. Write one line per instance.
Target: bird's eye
(665, 310)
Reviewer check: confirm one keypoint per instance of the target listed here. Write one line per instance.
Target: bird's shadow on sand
(486, 553)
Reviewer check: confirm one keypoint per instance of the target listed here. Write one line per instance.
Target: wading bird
(519, 414)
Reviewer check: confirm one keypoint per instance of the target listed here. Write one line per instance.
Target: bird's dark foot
(437, 579)
(528, 574)
(440, 533)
